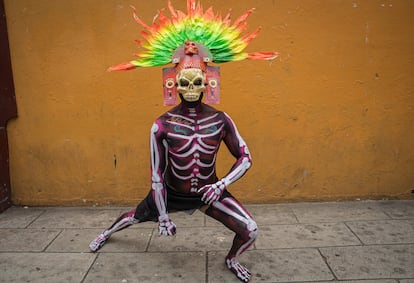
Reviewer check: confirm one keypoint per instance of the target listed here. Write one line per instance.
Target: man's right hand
(166, 226)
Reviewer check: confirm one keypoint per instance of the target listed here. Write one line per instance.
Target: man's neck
(191, 108)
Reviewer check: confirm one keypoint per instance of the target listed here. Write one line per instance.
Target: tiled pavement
(359, 242)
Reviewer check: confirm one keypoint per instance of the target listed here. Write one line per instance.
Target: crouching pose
(185, 140)
(184, 145)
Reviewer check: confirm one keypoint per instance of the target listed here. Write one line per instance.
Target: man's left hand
(212, 192)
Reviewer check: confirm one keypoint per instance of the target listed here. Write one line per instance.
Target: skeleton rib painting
(185, 140)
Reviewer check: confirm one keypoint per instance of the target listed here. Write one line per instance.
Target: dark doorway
(8, 110)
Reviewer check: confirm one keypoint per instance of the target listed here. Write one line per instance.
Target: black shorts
(147, 210)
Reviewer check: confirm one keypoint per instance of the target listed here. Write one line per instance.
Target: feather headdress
(223, 39)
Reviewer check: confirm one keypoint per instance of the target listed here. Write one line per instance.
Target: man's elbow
(247, 157)
(246, 162)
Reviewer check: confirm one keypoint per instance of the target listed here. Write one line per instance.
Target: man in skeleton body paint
(184, 144)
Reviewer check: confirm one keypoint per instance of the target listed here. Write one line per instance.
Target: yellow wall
(332, 118)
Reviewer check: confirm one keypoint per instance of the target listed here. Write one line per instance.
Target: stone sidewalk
(361, 241)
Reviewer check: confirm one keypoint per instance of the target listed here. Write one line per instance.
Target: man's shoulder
(166, 115)
(211, 110)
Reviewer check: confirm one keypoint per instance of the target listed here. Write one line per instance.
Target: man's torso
(193, 139)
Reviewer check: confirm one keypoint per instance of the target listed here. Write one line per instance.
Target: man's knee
(252, 229)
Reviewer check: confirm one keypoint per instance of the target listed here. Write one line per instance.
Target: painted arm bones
(239, 150)
(165, 225)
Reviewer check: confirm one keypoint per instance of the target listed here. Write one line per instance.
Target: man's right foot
(98, 242)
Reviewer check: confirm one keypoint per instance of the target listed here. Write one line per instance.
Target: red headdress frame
(191, 55)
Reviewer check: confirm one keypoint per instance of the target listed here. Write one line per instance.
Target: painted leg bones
(234, 216)
(124, 221)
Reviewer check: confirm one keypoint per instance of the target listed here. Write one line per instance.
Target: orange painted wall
(331, 119)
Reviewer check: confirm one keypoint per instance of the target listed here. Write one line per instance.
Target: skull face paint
(191, 84)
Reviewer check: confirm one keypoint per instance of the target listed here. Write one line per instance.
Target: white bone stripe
(123, 223)
(199, 137)
(203, 144)
(205, 177)
(157, 186)
(206, 165)
(245, 246)
(248, 221)
(192, 150)
(184, 178)
(180, 136)
(189, 140)
(233, 203)
(239, 138)
(218, 131)
(186, 167)
(206, 119)
(237, 172)
(160, 202)
(155, 160)
(202, 127)
(230, 212)
(194, 161)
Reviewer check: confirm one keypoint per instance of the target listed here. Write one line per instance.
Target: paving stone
(369, 262)
(384, 231)
(128, 240)
(265, 215)
(77, 217)
(148, 225)
(194, 239)
(359, 281)
(183, 219)
(19, 217)
(291, 265)
(77, 240)
(398, 209)
(18, 240)
(272, 214)
(337, 211)
(305, 235)
(44, 267)
(295, 244)
(148, 267)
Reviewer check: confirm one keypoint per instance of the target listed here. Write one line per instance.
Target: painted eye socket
(184, 82)
(197, 82)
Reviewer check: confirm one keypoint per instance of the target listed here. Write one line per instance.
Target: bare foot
(98, 243)
(239, 270)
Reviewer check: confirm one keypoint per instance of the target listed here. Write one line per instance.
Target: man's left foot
(239, 270)
(98, 242)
